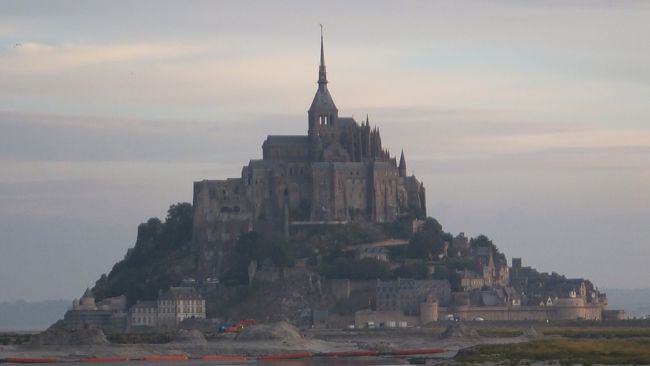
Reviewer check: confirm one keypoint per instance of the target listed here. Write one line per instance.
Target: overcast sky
(527, 121)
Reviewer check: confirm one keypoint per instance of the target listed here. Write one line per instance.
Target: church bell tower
(322, 113)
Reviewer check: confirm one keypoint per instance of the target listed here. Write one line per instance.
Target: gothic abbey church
(339, 172)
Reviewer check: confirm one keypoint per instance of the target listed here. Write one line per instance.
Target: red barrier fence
(30, 360)
(351, 354)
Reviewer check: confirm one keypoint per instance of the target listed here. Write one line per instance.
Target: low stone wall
(362, 317)
(518, 313)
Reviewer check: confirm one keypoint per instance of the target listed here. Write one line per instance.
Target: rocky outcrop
(60, 334)
(533, 333)
(274, 331)
(193, 336)
(459, 331)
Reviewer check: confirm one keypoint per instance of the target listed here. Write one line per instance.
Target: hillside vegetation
(162, 256)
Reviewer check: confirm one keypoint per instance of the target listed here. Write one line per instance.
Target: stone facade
(562, 311)
(178, 304)
(143, 314)
(407, 295)
(169, 310)
(338, 172)
(108, 314)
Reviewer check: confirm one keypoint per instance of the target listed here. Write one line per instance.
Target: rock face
(194, 336)
(60, 335)
(533, 333)
(459, 331)
(274, 331)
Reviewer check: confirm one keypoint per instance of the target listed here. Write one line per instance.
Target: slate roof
(145, 304)
(323, 102)
(286, 140)
(346, 121)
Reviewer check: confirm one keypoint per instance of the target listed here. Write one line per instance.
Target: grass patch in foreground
(10, 339)
(598, 332)
(566, 351)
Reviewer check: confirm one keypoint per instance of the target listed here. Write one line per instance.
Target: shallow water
(356, 361)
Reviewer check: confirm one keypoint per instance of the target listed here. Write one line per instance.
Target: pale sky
(527, 121)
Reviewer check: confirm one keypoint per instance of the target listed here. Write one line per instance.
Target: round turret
(428, 311)
(87, 301)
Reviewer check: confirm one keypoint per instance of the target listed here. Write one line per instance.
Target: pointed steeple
(323, 111)
(402, 165)
(322, 72)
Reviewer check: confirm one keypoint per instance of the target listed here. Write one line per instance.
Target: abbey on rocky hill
(338, 172)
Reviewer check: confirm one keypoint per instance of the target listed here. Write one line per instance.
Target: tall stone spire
(322, 112)
(402, 165)
(322, 72)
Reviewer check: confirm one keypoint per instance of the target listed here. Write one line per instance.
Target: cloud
(38, 58)
(61, 138)
(448, 139)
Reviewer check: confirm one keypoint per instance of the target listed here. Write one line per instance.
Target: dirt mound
(459, 331)
(533, 333)
(190, 336)
(60, 335)
(274, 331)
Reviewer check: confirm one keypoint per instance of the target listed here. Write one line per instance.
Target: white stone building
(178, 304)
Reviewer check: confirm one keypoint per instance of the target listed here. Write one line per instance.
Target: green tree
(481, 241)
(364, 269)
(428, 242)
(161, 257)
(418, 271)
(254, 246)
